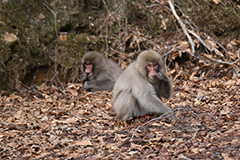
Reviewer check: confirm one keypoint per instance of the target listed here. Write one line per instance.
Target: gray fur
(105, 72)
(135, 95)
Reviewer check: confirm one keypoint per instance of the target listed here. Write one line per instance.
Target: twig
(106, 39)
(225, 62)
(195, 28)
(210, 48)
(110, 15)
(145, 39)
(122, 22)
(54, 76)
(197, 5)
(55, 19)
(60, 82)
(152, 5)
(2, 62)
(149, 122)
(194, 135)
(106, 35)
(160, 3)
(115, 50)
(172, 49)
(125, 25)
(220, 45)
(192, 25)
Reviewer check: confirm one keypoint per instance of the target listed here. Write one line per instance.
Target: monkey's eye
(152, 65)
(155, 65)
(149, 65)
(88, 63)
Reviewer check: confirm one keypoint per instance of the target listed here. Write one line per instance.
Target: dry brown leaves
(49, 123)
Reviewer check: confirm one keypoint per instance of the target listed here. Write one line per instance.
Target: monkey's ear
(141, 66)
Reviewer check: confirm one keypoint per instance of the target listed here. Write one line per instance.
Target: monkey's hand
(87, 86)
(161, 77)
(83, 78)
(164, 85)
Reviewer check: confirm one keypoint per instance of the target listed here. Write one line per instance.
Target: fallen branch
(183, 26)
(206, 44)
(210, 48)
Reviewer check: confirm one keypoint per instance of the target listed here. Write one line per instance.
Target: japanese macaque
(98, 72)
(141, 86)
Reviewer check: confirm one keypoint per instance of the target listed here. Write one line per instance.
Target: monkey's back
(124, 103)
(114, 69)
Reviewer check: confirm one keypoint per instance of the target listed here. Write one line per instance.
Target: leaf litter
(49, 123)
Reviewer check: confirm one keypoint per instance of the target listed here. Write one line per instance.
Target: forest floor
(48, 123)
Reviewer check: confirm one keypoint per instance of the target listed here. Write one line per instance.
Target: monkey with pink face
(98, 72)
(141, 86)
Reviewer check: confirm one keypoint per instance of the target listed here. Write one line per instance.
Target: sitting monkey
(141, 86)
(98, 72)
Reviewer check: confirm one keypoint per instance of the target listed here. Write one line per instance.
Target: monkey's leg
(98, 85)
(149, 102)
(126, 106)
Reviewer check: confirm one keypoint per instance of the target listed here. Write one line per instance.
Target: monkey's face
(88, 68)
(152, 69)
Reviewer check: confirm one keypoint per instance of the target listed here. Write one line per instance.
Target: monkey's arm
(146, 96)
(98, 85)
(165, 86)
(83, 77)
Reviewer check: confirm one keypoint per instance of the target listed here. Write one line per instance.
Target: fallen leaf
(226, 156)
(84, 142)
(18, 114)
(216, 1)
